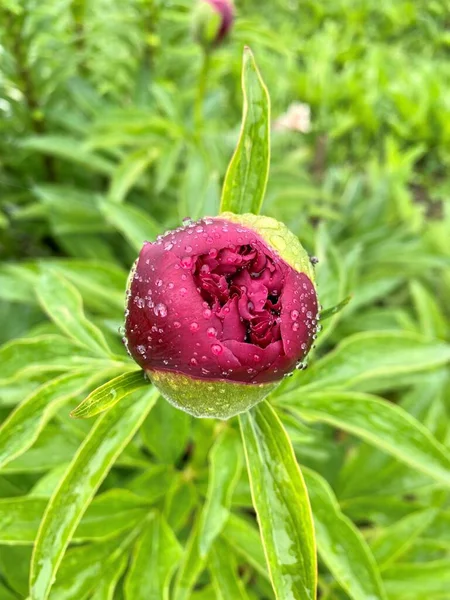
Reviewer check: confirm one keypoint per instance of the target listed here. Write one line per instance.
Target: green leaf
(246, 178)
(100, 284)
(395, 540)
(129, 172)
(224, 573)
(64, 305)
(225, 464)
(180, 500)
(155, 558)
(108, 515)
(199, 190)
(378, 422)
(108, 394)
(191, 566)
(281, 503)
(244, 538)
(14, 566)
(84, 569)
(432, 320)
(23, 426)
(37, 355)
(70, 149)
(106, 440)
(373, 360)
(112, 513)
(418, 581)
(334, 310)
(106, 587)
(19, 519)
(153, 483)
(341, 546)
(136, 225)
(166, 431)
(53, 447)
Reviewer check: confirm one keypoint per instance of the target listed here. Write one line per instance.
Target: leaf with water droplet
(282, 505)
(330, 312)
(105, 396)
(89, 467)
(246, 179)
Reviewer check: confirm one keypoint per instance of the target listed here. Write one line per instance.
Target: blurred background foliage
(99, 150)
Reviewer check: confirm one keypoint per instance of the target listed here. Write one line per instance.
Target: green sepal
(219, 399)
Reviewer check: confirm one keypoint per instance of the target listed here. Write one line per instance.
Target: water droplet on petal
(211, 332)
(177, 324)
(295, 327)
(194, 326)
(207, 313)
(160, 310)
(216, 349)
(193, 362)
(186, 261)
(294, 315)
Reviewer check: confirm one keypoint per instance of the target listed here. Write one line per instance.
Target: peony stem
(201, 90)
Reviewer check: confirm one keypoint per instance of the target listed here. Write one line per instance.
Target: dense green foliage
(107, 139)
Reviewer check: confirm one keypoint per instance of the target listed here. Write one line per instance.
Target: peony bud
(212, 20)
(220, 310)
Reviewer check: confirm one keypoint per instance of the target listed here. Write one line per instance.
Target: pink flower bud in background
(212, 21)
(226, 301)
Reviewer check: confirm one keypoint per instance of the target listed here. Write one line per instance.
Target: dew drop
(216, 349)
(211, 332)
(257, 358)
(186, 261)
(176, 324)
(207, 313)
(194, 326)
(183, 291)
(294, 315)
(160, 310)
(140, 349)
(295, 327)
(140, 302)
(193, 362)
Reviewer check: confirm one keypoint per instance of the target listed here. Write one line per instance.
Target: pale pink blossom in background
(296, 118)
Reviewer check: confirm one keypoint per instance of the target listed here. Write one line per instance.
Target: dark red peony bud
(220, 310)
(212, 20)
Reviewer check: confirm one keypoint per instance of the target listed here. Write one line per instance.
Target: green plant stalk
(201, 90)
